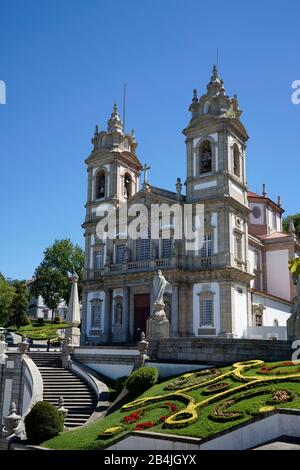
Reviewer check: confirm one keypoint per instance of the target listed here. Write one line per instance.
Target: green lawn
(36, 331)
(202, 409)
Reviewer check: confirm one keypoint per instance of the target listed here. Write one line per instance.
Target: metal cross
(145, 169)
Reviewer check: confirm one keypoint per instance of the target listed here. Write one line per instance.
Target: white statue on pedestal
(158, 323)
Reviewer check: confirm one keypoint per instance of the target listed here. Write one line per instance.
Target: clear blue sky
(64, 63)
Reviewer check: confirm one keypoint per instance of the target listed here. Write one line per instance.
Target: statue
(158, 324)
(118, 314)
(293, 322)
(159, 285)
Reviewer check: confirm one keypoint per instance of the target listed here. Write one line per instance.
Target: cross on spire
(145, 170)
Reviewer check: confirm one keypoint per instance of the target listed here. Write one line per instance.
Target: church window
(205, 157)
(236, 160)
(100, 184)
(98, 260)
(256, 212)
(258, 320)
(97, 320)
(206, 250)
(127, 185)
(167, 248)
(143, 248)
(206, 309)
(120, 251)
(238, 248)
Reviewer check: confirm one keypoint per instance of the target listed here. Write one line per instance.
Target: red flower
(288, 363)
(145, 425)
(163, 418)
(172, 406)
(135, 416)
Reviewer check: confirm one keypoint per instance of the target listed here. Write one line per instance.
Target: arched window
(127, 185)
(205, 157)
(275, 322)
(236, 160)
(100, 184)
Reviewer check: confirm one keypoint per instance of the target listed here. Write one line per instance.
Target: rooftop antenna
(124, 106)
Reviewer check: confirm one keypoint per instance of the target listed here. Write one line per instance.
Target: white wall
(278, 276)
(206, 286)
(274, 310)
(240, 311)
(252, 219)
(113, 371)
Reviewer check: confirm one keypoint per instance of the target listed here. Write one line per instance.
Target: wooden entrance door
(141, 314)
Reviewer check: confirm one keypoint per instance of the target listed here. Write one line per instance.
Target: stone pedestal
(158, 325)
(73, 334)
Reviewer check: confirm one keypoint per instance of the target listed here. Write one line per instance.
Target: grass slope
(250, 385)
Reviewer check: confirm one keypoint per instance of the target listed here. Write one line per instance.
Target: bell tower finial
(115, 123)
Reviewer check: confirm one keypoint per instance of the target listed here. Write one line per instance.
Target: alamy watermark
(296, 94)
(2, 92)
(186, 222)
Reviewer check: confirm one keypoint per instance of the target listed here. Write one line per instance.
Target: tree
(294, 265)
(6, 297)
(52, 276)
(19, 306)
(296, 220)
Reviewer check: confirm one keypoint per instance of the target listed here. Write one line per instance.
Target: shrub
(41, 321)
(142, 379)
(57, 319)
(120, 383)
(43, 422)
(25, 321)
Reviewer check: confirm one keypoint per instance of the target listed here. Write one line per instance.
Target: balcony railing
(160, 263)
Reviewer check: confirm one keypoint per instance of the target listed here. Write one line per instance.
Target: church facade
(237, 285)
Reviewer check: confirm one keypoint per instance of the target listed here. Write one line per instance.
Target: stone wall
(220, 350)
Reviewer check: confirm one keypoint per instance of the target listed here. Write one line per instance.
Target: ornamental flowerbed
(219, 387)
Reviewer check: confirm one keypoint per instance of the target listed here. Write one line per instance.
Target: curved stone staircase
(79, 398)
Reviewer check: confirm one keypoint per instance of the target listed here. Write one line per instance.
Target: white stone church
(237, 286)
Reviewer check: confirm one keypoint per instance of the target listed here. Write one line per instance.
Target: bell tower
(113, 166)
(216, 145)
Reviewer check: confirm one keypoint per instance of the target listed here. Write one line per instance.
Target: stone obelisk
(72, 335)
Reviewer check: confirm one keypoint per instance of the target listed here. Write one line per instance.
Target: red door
(141, 314)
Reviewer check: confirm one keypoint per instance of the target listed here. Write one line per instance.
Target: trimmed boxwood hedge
(43, 422)
(142, 379)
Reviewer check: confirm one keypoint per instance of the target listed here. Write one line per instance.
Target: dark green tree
(52, 276)
(19, 307)
(296, 220)
(6, 297)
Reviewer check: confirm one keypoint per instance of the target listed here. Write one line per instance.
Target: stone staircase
(79, 399)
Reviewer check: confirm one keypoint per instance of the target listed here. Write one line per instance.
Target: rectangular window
(238, 248)
(98, 260)
(258, 320)
(97, 315)
(120, 250)
(167, 245)
(206, 312)
(206, 250)
(142, 249)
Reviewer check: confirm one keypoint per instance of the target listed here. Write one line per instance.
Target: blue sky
(64, 63)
